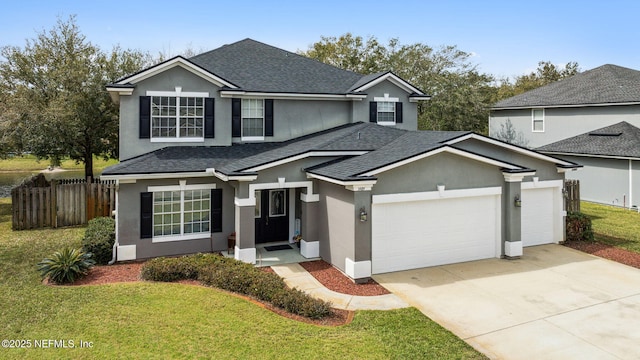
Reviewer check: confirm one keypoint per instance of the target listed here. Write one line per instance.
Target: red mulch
(606, 251)
(335, 280)
(129, 272)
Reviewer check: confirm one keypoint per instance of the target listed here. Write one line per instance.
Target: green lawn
(158, 320)
(30, 163)
(614, 226)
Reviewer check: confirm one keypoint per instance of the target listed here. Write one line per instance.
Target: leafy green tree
(460, 94)
(545, 74)
(55, 101)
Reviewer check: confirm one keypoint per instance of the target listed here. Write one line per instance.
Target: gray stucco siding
(562, 123)
(545, 170)
(292, 171)
(130, 143)
(441, 169)
(409, 109)
(606, 181)
(129, 220)
(295, 118)
(335, 224)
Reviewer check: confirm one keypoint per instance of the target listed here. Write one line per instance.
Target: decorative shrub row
(579, 227)
(66, 266)
(236, 276)
(99, 239)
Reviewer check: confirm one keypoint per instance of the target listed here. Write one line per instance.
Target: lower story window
(178, 213)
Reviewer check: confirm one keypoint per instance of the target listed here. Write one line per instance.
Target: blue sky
(507, 38)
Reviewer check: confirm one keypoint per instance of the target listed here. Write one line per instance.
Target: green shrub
(236, 276)
(579, 227)
(99, 239)
(179, 268)
(66, 266)
(298, 302)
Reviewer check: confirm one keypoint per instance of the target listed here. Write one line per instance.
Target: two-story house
(591, 118)
(267, 144)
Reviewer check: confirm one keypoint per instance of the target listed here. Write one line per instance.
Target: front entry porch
(265, 257)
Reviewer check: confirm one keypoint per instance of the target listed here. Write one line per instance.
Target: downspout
(114, 256)
(630, 183)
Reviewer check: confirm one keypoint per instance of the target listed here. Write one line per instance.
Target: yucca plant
(66, 266)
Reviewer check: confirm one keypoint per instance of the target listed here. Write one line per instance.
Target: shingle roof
(238, 157)
(255, 66)
(620, 140)
(407, 145)
(607, 84)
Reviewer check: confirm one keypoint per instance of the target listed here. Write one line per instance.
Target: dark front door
(272, 215)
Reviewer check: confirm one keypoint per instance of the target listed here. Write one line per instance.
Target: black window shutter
(268, 117)
(398, 113)
(209, 124)
(145, 117)
(236, 121)
(216, 210)
(146, 215)
(373, 111)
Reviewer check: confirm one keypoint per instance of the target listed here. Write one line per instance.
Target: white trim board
(564, 106)
(542, 184)
(288, 96)
(435, 195)
(447, 149)
(517, 149)
(171, 63)
(154, 176)
(392, 79)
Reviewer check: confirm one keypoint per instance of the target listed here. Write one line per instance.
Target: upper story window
(252, 119)
(385, 110)
(178, 116)
(537, 116)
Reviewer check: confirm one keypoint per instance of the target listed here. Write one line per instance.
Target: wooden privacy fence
(65, 202)
(572, 195)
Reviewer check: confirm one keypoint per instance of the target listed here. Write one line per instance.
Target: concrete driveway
(554, 303)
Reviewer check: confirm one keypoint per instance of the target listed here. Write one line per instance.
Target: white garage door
(414, 234)
(539, 216)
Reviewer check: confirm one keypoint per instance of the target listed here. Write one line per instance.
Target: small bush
(298, 302)
(579, 227)
(180, 268)
(236, 276)
(99, 239)
(66, 266)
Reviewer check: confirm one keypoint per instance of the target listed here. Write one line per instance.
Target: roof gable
(604, 85)
(621, 140)
(177, 61)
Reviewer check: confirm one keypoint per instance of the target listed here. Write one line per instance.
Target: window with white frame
(177, 116)
(386, 112)
(252, 118)
(181, 212)
(537, 116)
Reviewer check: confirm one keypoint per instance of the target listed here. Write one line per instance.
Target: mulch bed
(606, 251)
(130, 272)
(335, 280)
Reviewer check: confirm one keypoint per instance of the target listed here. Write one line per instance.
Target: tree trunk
(88, 166)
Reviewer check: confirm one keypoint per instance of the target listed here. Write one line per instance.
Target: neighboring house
(567, 119)
(587, 101)
(611, 159)
(252, 139)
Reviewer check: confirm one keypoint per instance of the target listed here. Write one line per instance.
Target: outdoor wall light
(517, 202)
(363, 214)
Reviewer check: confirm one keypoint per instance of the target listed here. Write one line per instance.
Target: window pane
(386, 111)
(258, 196)
(252, 117)
(537, 114)
(276, 203)
(537, 125)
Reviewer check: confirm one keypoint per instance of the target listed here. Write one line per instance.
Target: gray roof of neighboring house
(384, 146)
(619, 140)
(607, 84)
(254, 66)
